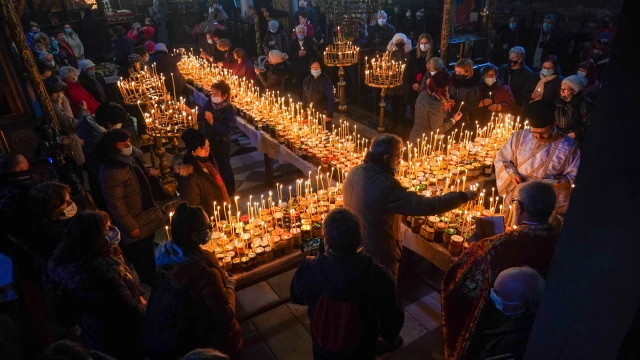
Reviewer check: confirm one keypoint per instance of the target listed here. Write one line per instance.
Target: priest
(540, 152)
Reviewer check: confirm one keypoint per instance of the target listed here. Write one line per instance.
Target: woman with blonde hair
(433, 65)
(399, 46)
(464, 89)
(416, 66)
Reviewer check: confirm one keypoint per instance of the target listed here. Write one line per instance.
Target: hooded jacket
(197, 187)
(356, 278)
(574, 115)
(102, 294)
(211, 305)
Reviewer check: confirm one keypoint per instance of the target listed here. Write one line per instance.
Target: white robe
(553, 161)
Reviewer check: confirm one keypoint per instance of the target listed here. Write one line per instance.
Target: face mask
(489, 81)
(513, 26)
(273, 30)
(216, 99)
(210, 41)
(35, 30)
(113, 235)
(67, 31)
(566, 98)
(54, 44)
(418, 16)
(408, 14)
(546, 72)
(513, 62)
(396, 11)
(460, 77)
(300, 37)
(51, 63)
(316, 72)
(547, 27)
(69, 212)
(432, 72)
(581, 74)
(499, 303)
(424, 47)
(91, 73)
(399, 45)
(127, 151)
(302, 8)
(382, 22)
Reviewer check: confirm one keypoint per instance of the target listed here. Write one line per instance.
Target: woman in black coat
(98, 289)
(464, 88)
(199, 180)
(317, 89)
(416, 68)
(545, 85)
(167, 64)
(274, 75)
(216, 120)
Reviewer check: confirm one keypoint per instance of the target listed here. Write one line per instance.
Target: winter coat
(93, 35)
(465, 90)
(506, 40)
(413, 74)
(245, 70)
(122, 48)
(274, 77)
(75, 44)
(102, 295)
(309, 33)
(218, 133)
(574, 116)
(69, 127)
(199, 187)
(77, 94)
(357, 278)
(499, 94)
(300, 64)
(277, 41)
(319, 92)
(213, 51)
(518, 80)
(379, 199)
(312, 16)
(167, 64)
(90, 132)
(430, 117)
(551, 88)
(211, 304)
(93, 86)
(399, 56)
(379, 36)
(510, 338)
(128, 195)
(64, 55)
(555, 44)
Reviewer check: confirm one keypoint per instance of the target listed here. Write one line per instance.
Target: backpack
(337, 323)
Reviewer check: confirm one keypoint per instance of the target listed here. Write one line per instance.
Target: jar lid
(450, 231)
(227, 259)
(236, 261)
(441, 225)
(259, 250)
(457, 238)
(231, 254)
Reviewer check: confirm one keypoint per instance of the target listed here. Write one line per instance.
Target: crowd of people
(86, 267)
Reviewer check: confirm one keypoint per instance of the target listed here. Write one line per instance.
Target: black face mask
(400, 45)
(513, 62)
(460, 77)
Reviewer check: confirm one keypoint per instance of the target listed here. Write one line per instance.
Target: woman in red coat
(75, 92)
(494, 96)
(244, 65)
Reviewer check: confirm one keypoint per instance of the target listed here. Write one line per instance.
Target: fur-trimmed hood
(180, 168)
(88, 273)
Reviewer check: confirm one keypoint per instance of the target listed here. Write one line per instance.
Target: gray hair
(526, 286)
(552, 16)
(435, 63)
(382, 12)
(384, 144)
(303, 28)
(66, 72)
(518, 51)
(44, 55)
(538, 200)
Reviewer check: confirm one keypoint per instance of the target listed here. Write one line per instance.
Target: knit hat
(134, 59)
(577, 83)
(161, 47)
(193, 139)
(85, 64)
(540, 113)
(54, 85)
(277, 56)
(273, 25)
(150, 46)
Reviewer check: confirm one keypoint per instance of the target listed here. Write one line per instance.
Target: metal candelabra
(383, 73)
(341, 53)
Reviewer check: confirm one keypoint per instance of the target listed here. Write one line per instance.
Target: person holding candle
(495, 97)
(399, 46)
(303, 18)
(244, 66)
(381, 33)
(467, 314)
(517, 76)
(130, 199)
(372, 192)
(463, 90)
(199, 180)
(211, 51)
(216, 119)
(224, 45)
(303, 49)
(317, 89)
(432, 107)
(193, 278)
(546, 85)
(274, 75)
(167, 65)
(416, 66)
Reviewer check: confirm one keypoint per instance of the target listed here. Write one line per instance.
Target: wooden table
(431, 251)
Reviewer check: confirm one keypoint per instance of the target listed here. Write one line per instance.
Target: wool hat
(577, 83)
(85, 64)
(274, 25)
(54, 85)
(277, 56)
(540, 113)
(193, 139)
(161, 47)
(150, 46)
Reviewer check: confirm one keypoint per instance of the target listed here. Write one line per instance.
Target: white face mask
(424, 47)
(69, 212)
(382, 22)
(489, 81)
(210, 41)
(127, 151)
(316, 73)
(432, 72)
(408, 14)
(216, 99)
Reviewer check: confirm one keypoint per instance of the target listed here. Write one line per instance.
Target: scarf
(224, 103)
(544, 79)
(445, 102)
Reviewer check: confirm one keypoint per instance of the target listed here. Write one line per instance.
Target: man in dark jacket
(372, 192)
(550, 41)
(313, 15)
(573, 111)
(512, 35)
(167, 64)
(345, 272)
(517, 76)
(89, 81)
(276, 39)
(122, 47)
(216, 119)
(381, 33)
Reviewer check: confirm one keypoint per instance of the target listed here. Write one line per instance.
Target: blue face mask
(581, 74)
(547, 27)
(513, 26)
(500, 304)
(67, 31)
(546, 72)
(91, 73)
(300, 37)
(113, 235)
(316, 72)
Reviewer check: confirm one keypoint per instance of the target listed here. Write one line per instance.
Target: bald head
(519, 289)
(12, 163)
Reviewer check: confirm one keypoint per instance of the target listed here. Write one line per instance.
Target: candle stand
(341, 53)
(383, 73)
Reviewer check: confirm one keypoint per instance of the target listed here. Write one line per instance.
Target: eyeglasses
(565, 90)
